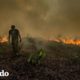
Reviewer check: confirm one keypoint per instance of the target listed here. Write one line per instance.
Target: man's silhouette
(14, 38)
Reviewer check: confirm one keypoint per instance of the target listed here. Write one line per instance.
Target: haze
(41, 18)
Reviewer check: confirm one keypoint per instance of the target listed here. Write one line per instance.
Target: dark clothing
(15, 47)
(14, 34)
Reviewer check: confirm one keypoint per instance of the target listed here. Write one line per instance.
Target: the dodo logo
(4, 74)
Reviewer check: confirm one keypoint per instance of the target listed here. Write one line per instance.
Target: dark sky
(41, 18)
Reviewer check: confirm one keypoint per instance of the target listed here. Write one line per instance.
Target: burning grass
(3, 39)
(67, 41)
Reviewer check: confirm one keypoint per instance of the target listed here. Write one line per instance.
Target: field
(62, 61)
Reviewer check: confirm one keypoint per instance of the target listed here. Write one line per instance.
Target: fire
(3, 39)
(75, 42)
(68, 41)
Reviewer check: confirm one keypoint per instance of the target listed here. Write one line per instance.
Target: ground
(61, 63)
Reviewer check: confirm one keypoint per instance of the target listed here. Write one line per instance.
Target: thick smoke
(41, 18)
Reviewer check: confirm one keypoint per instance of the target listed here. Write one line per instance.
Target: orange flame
(3, 39)
(67, 41)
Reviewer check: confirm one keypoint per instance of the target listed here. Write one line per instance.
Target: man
(14, 39)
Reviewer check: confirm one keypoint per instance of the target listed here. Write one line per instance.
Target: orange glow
(3, 39)
(67, 41)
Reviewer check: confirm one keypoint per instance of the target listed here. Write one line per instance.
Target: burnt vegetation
(41, 60)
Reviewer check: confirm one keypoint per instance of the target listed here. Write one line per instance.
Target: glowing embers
(3, 39)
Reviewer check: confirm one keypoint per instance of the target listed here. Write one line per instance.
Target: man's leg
(16, 48)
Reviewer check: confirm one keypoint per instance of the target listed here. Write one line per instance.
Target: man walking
(14, 39)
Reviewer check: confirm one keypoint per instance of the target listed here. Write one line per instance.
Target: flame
(3, 39)
(67, 41)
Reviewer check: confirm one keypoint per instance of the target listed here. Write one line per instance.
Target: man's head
(12, 26)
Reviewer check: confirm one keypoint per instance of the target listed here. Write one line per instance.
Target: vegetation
(37, 58)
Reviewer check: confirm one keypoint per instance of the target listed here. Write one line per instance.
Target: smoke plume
(41, 18)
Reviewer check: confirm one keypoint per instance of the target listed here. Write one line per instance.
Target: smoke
(41, 18)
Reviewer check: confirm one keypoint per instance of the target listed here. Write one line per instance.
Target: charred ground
(61, 63)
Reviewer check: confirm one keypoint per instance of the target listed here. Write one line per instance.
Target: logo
(4, 74)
